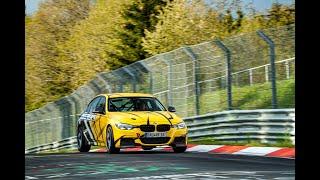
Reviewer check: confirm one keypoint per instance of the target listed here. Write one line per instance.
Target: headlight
(124, 126)
(181, 125)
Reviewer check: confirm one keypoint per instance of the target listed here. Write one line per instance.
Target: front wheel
(179, 149)
(83, 145)
(110, 142)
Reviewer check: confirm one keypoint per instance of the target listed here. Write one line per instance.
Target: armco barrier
(266, 125)
(63, 144)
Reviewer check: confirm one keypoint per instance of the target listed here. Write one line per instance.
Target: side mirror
(99, 110)
(171, 109)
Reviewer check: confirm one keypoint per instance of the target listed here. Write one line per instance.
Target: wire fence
(250, 71)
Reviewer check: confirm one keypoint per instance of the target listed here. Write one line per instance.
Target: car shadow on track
(137, 152)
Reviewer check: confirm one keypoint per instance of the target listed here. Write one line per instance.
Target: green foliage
(45, 30)
(93, 43)
(180, 24)
(278, 15)
(140, 15)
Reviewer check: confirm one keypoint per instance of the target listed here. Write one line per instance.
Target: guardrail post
(228, 71)
(272, 66)
(193, 56)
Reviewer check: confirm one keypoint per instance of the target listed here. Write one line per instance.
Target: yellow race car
(124, 120)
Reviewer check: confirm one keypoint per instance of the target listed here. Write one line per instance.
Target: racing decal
(148, 121)
(101, 130)
(97, 129)
(93, 127)
(164, 116)
(134, 114)
(86, 118)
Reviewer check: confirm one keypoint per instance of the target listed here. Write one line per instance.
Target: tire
(179, 149)
(83, 145)
(110, 142)
(146, 148)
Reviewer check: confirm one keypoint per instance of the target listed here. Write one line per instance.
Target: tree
(280, 15)
(277, 15)
(34, 81)
(140, 15)
(181, 23)
(45, 30)
(92, 47)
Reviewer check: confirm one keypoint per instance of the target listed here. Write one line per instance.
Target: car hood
(142, 117)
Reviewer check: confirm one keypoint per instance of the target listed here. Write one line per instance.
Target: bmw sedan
(125, 120)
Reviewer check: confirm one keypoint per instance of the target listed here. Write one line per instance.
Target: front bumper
(125, 138)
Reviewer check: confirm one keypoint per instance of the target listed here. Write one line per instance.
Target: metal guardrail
(266, 125)
(70, 142)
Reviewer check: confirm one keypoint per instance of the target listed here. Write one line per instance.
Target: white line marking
(203, 148)
(257, 151)
(30, 177)
(58, 175)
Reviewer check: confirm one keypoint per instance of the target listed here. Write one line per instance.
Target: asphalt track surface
(156, 165)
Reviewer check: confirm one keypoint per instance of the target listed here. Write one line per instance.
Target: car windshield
(125, 104)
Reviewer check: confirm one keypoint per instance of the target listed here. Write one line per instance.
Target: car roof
(114, 95)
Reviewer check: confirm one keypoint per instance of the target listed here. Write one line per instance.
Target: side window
(101, 104)
(92, 105)
(89, 106)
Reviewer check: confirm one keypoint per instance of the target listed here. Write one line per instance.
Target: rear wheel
(110, 142)
(83, 145)
(179, 149)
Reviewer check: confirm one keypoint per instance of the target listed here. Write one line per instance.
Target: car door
(87, 117)
(100, 120)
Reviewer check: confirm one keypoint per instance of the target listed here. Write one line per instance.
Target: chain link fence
(249, 71)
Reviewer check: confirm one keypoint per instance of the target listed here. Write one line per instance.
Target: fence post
(237, 80)
(133, 77)
(272, 66)
(120, 89)
(193, 56)
(151, 83)
(287, 69)
(266, 72)
(150, 76)
(106, 85)
(250, 77)
(169, 65)
(228, 72)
